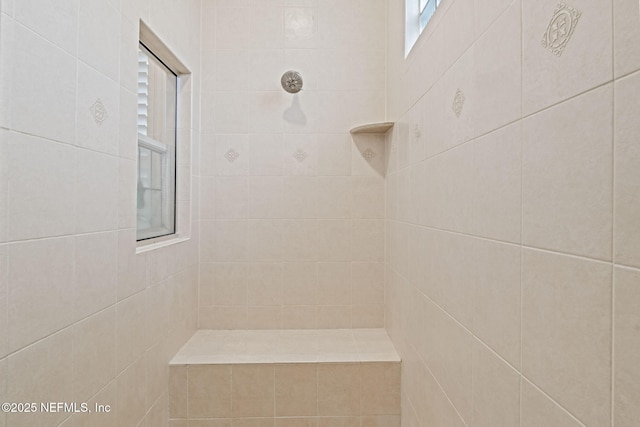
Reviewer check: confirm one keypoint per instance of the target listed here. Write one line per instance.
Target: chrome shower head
(291, 81)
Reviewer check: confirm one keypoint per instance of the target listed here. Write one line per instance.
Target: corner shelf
(380, 128)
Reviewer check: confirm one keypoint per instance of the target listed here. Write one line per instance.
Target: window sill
(147, 247)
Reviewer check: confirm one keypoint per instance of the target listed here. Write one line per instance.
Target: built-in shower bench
(286, 378)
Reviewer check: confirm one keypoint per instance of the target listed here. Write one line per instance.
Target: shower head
(291, 81)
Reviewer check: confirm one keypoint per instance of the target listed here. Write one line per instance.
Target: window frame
(183, 141)
(168, 186)
(416, 20)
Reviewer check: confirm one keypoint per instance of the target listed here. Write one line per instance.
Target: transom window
(418, 13)
(427, 9)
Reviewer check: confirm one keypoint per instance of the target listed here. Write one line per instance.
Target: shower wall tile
(232, 28)
(130, 392)
(42, 372)
(55, 21)
(584, 51)
(41, 187)
(7, 25)
(96, 19)
(334, 154)
(499, 69)
(626, 35)
(130, 332)
(567, 177)
(4, 319)
(128, 110)
(496, 297)
(627, 345)
(95, 273)
(627, 176)
(266, 155)
(232, 70)
(231, 155)
(3, 388)
(43, 86)
(496, 390)
(231, 198)
(539, 410)
(98, 116)
(96, 207)
(486, 12)
(572, 297)
(129, 39)
(40, 289)
(497, 193)
(94, 353)
(231, 112)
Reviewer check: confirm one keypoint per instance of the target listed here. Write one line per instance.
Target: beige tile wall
(304, 394)
(291, 242)
(512, 232)
(82, 317)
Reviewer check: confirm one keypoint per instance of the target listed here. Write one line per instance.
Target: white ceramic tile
(566, 176)
(128, 135)
(42, 372)
(496, 390)
(368, 240)
(585, 54)
(264, 285)
(334, 197)
(498, 55)
(94, 353)
(99, 37)
(335, 241)
(300, 27)
(129, 45)
(95, 273)
(497, 195)
(368, 155)
(486, 12)
(231, 155)
(496, 298)
(627, 343)
(626, 54)
(231, 110)
(40, 292)
(98, 111)
(3, 388)
(265, 154)
(228, 23)
(127, 193)
(231, 197)
(6, 68)
(572, 298)
(96, 195)
(44, 86)
(627, 160)
(230, 240)
(268, 111)
(232, 70)
(41, 186)
(132, 268)
(56, 21)
(299, 239)
(334, 154)
(368, 197)
(265, 240)
(130, 331)
(4, 319)
(300, 154)
(266, 26)
(266, 197)
(539, 410)
(300, 197)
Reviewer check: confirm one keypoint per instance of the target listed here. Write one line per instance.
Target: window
(157, 115)
(418, 13)
(427, 8)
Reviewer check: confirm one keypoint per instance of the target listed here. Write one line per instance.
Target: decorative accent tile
(300, 155)
(231, 155)
(560, 29)
(99, 112)
(369, 154)
(458, 103)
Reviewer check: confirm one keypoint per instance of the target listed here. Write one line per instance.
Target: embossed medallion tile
(286, 378)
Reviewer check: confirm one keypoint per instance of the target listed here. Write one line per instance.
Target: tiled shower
(490, 240)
